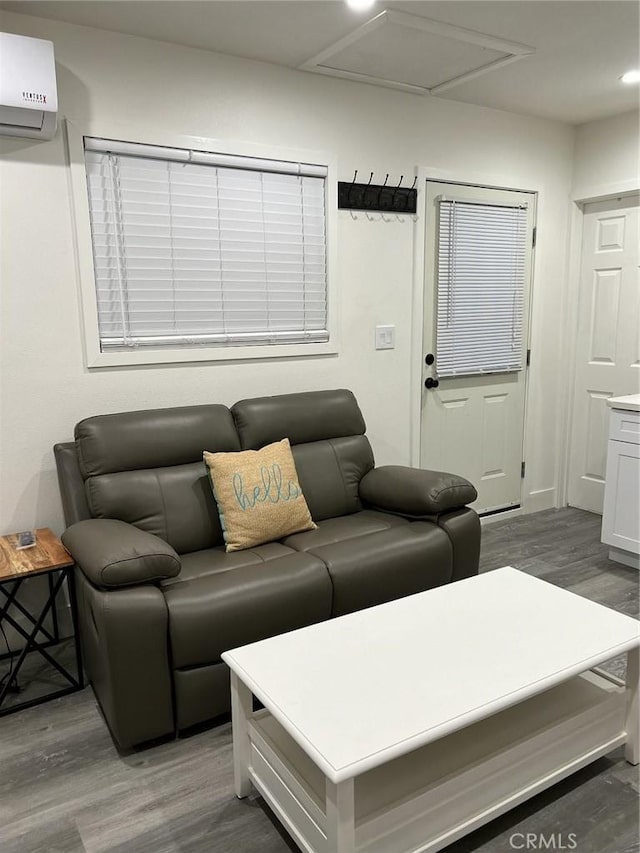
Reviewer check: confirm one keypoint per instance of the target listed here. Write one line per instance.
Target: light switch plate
(385, 337)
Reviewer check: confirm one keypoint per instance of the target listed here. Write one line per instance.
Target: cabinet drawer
(624, 426)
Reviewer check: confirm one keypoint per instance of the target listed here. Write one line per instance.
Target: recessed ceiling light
(631, 77)
(360, 5)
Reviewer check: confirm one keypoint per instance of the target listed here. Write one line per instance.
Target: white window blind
(194, 248)
(480, 287)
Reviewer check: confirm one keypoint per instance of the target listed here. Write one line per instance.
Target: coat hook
(409, 195)
(395, 192)
(364, 194)
(350, 193)
(379, 199)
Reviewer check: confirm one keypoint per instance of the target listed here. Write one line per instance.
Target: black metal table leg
(12, 601)
(56, 584)
(73, 602)
(54, 609)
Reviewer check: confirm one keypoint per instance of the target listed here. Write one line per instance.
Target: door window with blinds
(481, 268)
(193, 249)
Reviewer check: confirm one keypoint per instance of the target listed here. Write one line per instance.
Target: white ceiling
(580, 49)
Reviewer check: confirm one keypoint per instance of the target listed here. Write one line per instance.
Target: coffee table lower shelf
(427, 799)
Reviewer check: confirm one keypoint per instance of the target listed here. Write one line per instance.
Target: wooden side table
(48, 557)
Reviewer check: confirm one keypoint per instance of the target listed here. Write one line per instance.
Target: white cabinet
(621, 513)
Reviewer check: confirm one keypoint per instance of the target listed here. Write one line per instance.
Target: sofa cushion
(330, 472)
(213, 560)
(326, 431)
(305, 417)
(369, 566)
(258, 495)
(173, 503)
(130, 441)
(342, 528)
(146, 468)
(224, 609)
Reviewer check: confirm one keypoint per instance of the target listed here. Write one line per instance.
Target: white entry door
(608, 342)
(477, 298)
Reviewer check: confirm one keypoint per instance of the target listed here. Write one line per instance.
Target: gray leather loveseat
(159, 598)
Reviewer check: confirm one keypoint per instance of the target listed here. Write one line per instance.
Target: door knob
(430, 383)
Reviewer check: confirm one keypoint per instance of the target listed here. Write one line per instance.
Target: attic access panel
(416, 54)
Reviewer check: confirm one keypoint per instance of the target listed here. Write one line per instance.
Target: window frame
(94, 356)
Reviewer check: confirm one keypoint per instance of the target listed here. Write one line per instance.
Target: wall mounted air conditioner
(28, 94)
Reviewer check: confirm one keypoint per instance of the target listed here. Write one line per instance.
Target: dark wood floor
(65, 789)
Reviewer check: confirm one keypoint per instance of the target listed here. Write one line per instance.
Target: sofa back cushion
(326, 431)
(146, 468)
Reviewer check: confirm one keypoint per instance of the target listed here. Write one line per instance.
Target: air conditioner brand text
(34, 97)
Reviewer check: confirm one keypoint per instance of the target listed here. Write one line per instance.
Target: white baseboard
(624, 557)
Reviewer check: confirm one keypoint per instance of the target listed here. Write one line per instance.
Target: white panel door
(608, 342)
(474, 425)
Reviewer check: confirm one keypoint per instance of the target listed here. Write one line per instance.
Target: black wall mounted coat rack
(369, 196)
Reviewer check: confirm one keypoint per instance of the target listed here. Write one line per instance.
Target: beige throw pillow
(258, 495)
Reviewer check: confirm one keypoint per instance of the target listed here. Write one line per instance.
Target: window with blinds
(481, 258)
(198, 249)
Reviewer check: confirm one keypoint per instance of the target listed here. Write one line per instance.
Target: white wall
(111, 77)
(607, 156)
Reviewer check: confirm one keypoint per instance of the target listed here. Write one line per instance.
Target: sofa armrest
(415, 492)
(112, 553)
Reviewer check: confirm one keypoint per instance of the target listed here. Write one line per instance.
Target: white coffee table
(405, 726)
